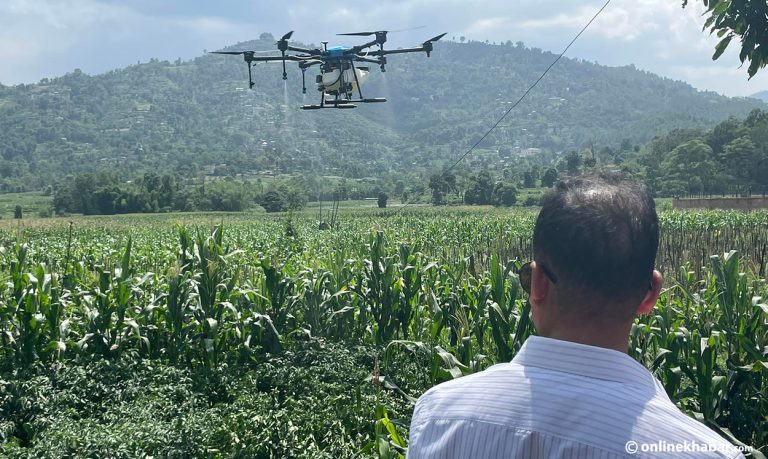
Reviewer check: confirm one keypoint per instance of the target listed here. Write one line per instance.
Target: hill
(195, 118)
(762, 95)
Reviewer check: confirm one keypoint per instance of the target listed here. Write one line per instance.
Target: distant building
(525, 152)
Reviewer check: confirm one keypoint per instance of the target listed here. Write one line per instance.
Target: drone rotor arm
(357, 49)
(270, 58)
(398, 51)
(368, 59)
(313, 52)
(303, 63)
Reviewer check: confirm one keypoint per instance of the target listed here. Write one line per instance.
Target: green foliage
(550, 178)
(273, 201)
(687, 168)
(733, 155)
(504, 194)
(381, 200)
(310, 401)
(195, 119)
(103, 194)
(480, 190)
(285, 197)
(746, 20)
(133, 336)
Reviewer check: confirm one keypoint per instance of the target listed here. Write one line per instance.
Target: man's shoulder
(576, 408)
(499, 373)
(665, 427)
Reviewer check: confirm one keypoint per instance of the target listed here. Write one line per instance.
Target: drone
(340, 77)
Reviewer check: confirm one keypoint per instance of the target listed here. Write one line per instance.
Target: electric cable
(525, 94)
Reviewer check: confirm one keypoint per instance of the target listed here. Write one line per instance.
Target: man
(572, 391)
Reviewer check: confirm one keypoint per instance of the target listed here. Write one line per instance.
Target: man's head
(598, 234)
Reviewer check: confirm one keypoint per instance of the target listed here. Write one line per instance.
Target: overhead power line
(525, 94)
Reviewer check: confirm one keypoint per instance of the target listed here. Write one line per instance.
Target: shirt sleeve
(414, 433)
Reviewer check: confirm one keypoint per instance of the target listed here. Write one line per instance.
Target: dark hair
(599, 233)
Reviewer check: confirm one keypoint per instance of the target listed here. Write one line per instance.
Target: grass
(32, 204)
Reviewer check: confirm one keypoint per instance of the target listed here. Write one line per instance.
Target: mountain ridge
(196, 117)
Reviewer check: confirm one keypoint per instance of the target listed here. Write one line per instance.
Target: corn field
(256, 336)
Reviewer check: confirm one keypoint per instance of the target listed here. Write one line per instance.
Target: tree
(690, 164)
(742, 157)
(745, 19)
(573, 162)
(381, 201)
(550, 178)
(17, 212)
(529, 179)
(504, 194)
(724, 133)
(439, 188)
(480, 189)
(272, 201)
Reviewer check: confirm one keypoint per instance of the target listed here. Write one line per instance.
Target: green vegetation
(747, 21)
(195, 120)
(103, 194)
(33, 204)
(174, 335)
(731, 157)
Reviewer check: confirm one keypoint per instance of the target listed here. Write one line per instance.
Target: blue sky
(46, 38)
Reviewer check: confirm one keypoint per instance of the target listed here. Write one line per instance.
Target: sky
(48, 38)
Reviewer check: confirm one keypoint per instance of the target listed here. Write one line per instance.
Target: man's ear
(646, 306)
(539, 285)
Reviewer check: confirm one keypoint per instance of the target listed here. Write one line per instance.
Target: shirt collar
(583, 360)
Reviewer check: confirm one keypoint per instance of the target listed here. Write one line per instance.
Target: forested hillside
(196, 118)
(762, 95)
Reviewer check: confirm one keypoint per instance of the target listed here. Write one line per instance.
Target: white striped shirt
(558, 399)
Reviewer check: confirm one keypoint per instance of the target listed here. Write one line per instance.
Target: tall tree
(549, 178)
(689, 168)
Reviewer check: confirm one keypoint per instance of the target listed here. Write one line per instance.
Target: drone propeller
(437, 38)
(368, 34)
(428, 44)
(282, 45)
(361, 34)
(247, 55)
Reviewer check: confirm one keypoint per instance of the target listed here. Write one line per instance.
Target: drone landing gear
(343, 103)
(318, 107)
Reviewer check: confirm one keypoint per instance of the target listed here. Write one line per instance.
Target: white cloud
(40, 38)
(44, 38)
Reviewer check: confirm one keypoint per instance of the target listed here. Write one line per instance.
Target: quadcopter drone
(339, 77)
